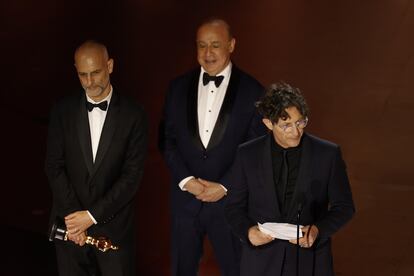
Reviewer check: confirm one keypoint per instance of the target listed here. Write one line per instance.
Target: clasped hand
(76, 224)
(204, 190)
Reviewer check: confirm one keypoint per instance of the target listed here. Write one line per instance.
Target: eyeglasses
(300, 124)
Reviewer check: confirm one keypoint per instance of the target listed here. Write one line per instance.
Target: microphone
(301, 202)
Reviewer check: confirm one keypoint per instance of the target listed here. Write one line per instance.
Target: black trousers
(74, 260)
(188, 235)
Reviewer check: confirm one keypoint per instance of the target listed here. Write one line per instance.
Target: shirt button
(204, 156)
(209, 111)
(207, 130)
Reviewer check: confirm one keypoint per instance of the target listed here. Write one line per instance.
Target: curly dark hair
(279, 97)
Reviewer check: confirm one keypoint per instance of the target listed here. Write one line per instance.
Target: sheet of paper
(282, 231)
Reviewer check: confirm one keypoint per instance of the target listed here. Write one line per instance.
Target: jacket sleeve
(236, 208)
(64, 197)
(341, 205)
(168, 139)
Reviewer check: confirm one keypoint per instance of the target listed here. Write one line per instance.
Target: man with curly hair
(288, 177)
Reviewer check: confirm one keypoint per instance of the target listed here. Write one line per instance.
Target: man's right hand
(257, 237)
(79, 239)
(194, 187)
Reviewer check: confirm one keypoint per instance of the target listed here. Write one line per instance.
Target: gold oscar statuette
(59, 232)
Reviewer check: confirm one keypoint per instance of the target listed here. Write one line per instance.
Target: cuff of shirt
(92, 218)
(183, 182)
(224, 188)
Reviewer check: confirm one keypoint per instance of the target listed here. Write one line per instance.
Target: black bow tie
(217, 79)
(103, 105)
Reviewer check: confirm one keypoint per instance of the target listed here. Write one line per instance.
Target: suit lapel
(267, 173)
(192, 111)
(304, 176)
(225, 110)
(84, 135)
(108, 130)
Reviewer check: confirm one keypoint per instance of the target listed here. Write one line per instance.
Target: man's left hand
(78, 222)
(213, 191)
(310, 233)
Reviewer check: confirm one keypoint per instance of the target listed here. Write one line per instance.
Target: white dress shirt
(209, 102)
(96, 122)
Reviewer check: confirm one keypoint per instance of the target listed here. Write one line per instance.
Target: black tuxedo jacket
(107, 187)
(322, 188)
(181, 145)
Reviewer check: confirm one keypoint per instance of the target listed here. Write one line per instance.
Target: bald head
(218, 22)
(94, 67)
(91, 47)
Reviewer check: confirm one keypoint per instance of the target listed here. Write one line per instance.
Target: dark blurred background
(352, 59)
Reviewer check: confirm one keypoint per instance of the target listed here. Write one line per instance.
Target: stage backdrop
(353, 60)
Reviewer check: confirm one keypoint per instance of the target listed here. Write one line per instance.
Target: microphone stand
(297, 238)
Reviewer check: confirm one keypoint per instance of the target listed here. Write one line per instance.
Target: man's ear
(110, 65)
(268, 123)
(232, 45)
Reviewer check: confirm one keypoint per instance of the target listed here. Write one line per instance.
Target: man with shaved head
(208, 113)
(93, 57)
(95, 155)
